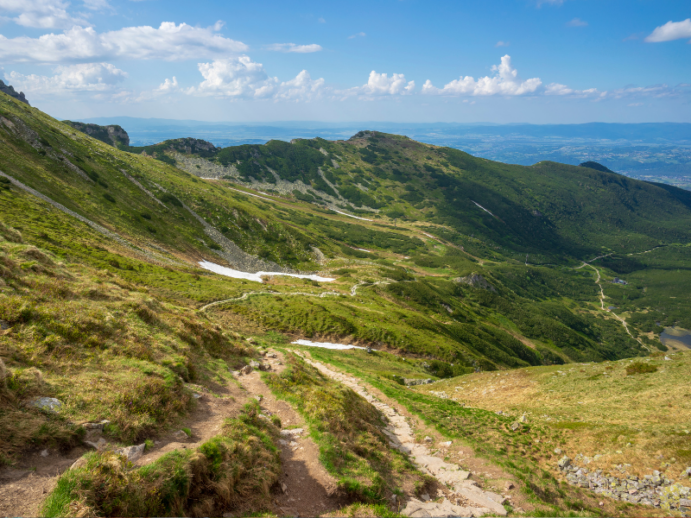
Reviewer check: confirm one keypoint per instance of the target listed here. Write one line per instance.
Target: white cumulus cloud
(292, 47)
(238, 78)
(379, 85)
(168, 42)
(504, 82)
(671, 31)
(91, 77)
(42, 14)
(559, 89)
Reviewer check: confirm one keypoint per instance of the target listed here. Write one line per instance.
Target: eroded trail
(306, 489)
(462, 498)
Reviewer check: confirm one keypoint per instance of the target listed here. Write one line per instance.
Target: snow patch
(256, 277)
(326, 345)
(351, 216)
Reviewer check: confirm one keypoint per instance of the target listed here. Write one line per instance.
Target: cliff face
(9, 90)
(112, 135)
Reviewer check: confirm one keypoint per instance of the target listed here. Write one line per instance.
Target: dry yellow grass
(643, 419)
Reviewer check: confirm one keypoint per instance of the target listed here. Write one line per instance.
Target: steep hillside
(423, 220)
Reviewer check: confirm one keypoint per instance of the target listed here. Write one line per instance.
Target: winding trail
(602, 304)
(246, 295)
(462, 497)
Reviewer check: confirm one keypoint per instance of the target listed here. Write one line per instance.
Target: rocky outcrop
(655, 490)
(476, 281)
(112, 135)
(9, 90)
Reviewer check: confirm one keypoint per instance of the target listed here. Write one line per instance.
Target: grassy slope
(644, 410)
(640, 419)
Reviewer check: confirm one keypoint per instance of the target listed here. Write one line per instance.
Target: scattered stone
(47, 404)
(246, 369)
(132, 452)
(295, 432)
(445, 444)
(412, 382)
(98, 445)
(427, 439)
(564, 463)
(96, 426)
(558, 451)
(180, 435)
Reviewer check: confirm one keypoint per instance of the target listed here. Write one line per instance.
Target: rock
(254, 364)
(480, 498)
(295, 432)
(476, 281)
(236, 373)
(45, 453)
(96, 426)
(445, 444)
(284, 488)
(427, 439)
(259, 398)
(271, 355)
(4, 325)
(98, 445)
(47, 404)
(412, 382)
(509, 486)
(564, 463)
(523, 419)
(685, 502)
(180, 435)
(246, 369)
(264, 367)
(197, 396)
(132, 452)
(558, 451)
(515, 426)
(425, 497)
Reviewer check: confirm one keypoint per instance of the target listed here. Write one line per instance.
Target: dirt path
(462, 497)
(306, 487)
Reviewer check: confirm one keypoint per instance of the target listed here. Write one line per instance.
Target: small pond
(675, 336)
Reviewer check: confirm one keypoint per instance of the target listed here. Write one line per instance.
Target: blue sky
(538, 61)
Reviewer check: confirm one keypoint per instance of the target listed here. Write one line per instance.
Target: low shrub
(640, 368)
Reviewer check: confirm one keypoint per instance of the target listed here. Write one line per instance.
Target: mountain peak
(9, 90)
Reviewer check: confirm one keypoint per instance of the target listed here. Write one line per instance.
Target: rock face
(476, 281)
(9, 90)
(112, 135)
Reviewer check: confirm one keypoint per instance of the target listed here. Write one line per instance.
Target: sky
(464, 61)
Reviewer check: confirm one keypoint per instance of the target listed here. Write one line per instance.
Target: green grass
(230, 472)
(347, 430)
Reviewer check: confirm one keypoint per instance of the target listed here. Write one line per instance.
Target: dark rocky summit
(9, 90)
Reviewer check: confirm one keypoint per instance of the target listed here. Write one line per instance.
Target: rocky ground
(654, 490)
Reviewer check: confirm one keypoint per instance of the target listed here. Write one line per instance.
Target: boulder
(47, 404)
(564, 463)
(246, 369)
(132, 453)
(254, 364)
